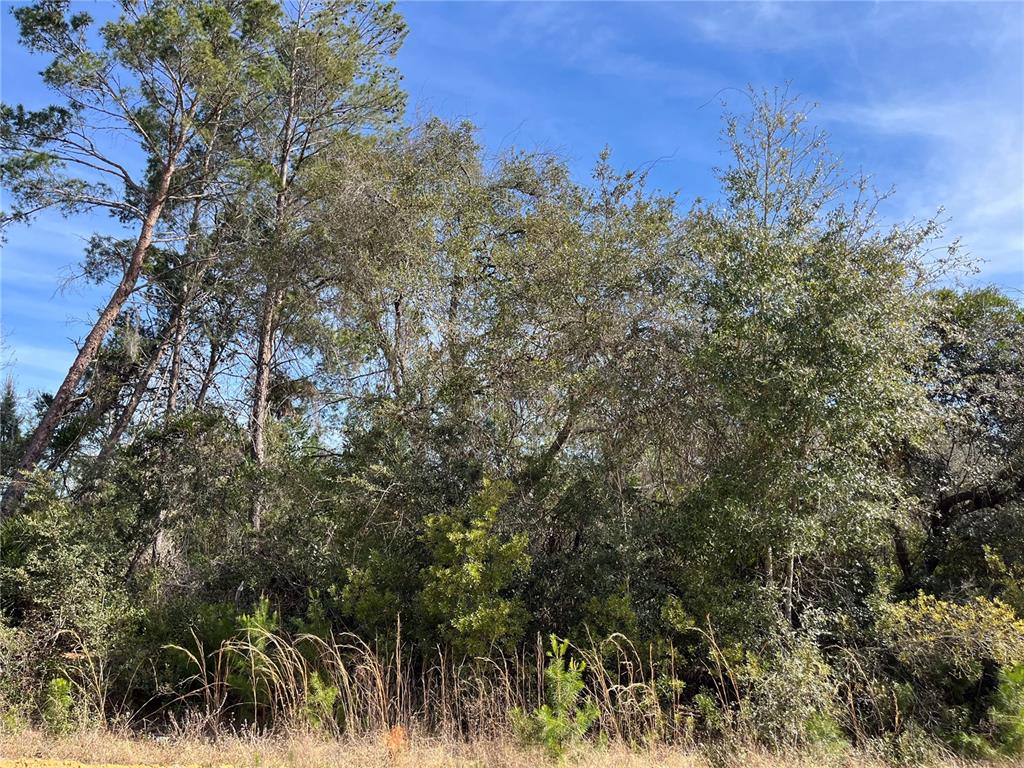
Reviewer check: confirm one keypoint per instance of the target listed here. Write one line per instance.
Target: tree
(332, 80)
(162, 75)
(812, 321)
(10, 428)
(377, 385)
(969, 473)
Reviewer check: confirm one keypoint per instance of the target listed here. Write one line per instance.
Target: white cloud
(973, 167)
(763, 26)
(585, 39)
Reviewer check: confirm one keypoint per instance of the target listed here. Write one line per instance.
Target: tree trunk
(208, 374)
(261, 387)
(272, 299)
(175, 372)
(261, 392)
(216, 350)
(899, 545)
(181, 309)
(138, 392)
(790, 564)
(537, 469)
(48, 424)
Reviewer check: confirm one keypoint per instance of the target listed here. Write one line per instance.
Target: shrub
(68, 569)
(565, 719)
(790, 695)
(1008, 580)
(713, 718)
(962, 660)
(930, 635)
(320, 700)
(472, 572)
(58, 703)
(17, 667)
(1006, 715)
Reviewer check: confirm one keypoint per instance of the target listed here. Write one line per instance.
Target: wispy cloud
(972, 165)
(50, 359)
(583, 38)
(35, 368)
(763, 26)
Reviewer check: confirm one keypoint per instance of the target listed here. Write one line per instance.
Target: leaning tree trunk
(48, 424)
(138, 392)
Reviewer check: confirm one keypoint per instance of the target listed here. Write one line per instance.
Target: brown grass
(457, 699)
(393, 712)
(31, 749)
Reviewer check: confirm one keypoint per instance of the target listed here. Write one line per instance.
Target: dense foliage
(359, 389)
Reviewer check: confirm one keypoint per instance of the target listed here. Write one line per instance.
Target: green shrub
(58, 704)
(65, 567)
(790, 695)
(17, 666)
(930, 635)
(1007, 712)
(962, 663)
(712, 718)
(321, 699)
(1007, 580)
(466, 589)
(565, 719)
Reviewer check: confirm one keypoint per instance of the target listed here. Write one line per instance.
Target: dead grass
(457, 711)
(32, 749)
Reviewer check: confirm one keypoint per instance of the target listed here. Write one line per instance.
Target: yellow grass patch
(391, 749)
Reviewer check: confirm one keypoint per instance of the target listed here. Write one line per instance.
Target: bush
(790, 695)
(58, 703)
(564, 720)
(1006, 715)
(320, 701)
(16, 678)
(65, 567)
(930, 635)
(962, 661)
(467, 586)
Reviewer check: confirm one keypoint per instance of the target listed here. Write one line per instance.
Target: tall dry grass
(283, 678)
(263, 692)
(102, 748)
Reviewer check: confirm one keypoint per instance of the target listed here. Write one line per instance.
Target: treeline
(355, 380)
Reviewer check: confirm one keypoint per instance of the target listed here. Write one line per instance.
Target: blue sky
(925, 97)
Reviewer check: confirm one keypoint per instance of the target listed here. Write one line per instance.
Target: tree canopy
(355, 377)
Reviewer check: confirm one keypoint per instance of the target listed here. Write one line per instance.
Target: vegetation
(562, 722)
(108, 750)
(367, 416)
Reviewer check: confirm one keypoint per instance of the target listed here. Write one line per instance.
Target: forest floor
(104, 750)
